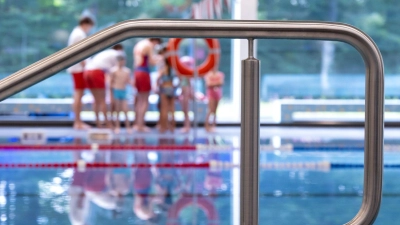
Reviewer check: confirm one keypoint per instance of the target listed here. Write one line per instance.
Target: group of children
(106, 72)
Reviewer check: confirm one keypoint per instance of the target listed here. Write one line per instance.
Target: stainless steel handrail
(242, 29)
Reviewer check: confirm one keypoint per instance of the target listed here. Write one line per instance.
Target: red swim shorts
(142, 81)
(79, 81)
(95, 79)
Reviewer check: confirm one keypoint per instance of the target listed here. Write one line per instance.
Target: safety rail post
(250, 138)
(313, 30)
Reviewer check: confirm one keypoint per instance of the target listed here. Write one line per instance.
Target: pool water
(153, 195)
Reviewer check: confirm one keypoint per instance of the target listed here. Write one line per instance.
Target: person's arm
(160, 74)
(111, 78)
(132, 75)
(153, 58)
(128, 77)
(137, 58)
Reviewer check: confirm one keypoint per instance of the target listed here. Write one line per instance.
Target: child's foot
(109, 125)
(207, 128)
(78, 126)
(85, 126)
(212, 130)
(129, 130)
(127, 125)
(81, 126)
(116, 130)
(185, 130)
(143, 129)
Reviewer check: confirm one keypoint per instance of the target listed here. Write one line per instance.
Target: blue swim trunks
(119, 94)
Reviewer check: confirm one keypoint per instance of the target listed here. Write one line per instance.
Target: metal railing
(374, 101)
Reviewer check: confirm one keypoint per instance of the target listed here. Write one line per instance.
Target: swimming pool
(309, 182)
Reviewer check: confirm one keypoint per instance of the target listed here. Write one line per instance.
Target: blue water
(287, 196)
(109, 196)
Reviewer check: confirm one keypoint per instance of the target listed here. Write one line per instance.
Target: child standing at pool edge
(143, 58)
(77, 71)
(187, 93)
(167, 95)
(95, 75)
(120, 78)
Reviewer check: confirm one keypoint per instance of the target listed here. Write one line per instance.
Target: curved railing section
(248, 30)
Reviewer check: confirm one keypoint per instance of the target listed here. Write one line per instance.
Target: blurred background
(308, 174)
(290, 69)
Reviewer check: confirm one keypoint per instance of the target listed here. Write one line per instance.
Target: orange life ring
(204, 203)
(210, 63)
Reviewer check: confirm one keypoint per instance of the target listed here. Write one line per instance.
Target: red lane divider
(66, 147)
(104, 165)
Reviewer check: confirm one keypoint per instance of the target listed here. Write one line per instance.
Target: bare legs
(77, 107)
(125, 110)
(121, 106)
(135, 100)
(167, 107)
(112, 106)
(186, 94)
(141, 106)
(117, 107)
(99, 96)
(171, 110)
(163, 114)
(212, 109)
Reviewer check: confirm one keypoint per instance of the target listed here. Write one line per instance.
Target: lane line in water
(320, 165)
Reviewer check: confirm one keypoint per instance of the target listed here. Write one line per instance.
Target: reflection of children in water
(103, 203)
(119, 178)
(78, 204)
(142, 181)
(147, 205)
(101, 190)
(204, 184)
(167, 180)
(213, 178)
